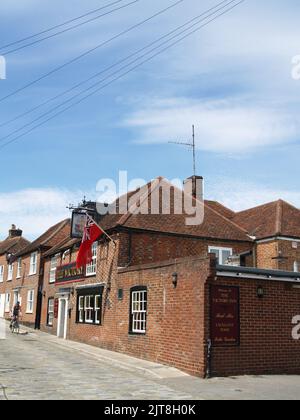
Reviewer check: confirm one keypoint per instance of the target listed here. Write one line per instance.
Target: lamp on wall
(260, 292)
(9, 257)
(175, 279)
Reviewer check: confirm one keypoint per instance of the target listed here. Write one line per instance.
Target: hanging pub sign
(225, 316)
(69, 273)
(78, 224)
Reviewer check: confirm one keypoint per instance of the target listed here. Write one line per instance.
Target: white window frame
(30, 301)
(97, 310)
(1, 273)
(296, 267)
(7, 303)
(19, 268)
(50, 312)
(81, 309)
(221, 249)
(139, 302)
(33, 263)
(53, 268)
(91, 269)
(89, 309)
(10, 272)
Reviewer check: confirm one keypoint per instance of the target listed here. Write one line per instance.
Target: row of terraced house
(217, 298)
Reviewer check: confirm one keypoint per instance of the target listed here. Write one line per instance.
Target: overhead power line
(57, 26)
(117, 63)
(5, 53)
(78, 57)
(119, 76)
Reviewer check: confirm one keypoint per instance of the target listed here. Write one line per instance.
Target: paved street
(38, 366)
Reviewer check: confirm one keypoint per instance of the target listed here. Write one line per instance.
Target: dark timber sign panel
(225, 316)
(69, 273)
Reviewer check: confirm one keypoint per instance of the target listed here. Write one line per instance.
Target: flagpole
(109, 237)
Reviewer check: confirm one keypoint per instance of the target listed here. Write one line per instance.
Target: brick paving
(40, 367)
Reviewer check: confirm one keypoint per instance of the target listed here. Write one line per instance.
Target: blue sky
(232, 80)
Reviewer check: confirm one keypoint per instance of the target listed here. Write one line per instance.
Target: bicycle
(15, 326)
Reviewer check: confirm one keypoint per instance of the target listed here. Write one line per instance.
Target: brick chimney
(14, 232)
(194, 186)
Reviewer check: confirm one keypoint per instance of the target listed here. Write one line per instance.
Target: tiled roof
(214, 226)
(13, 245)
(65, 244)
(220, 208)
(278, 218)
(48, 239)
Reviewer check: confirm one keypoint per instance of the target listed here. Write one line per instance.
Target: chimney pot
(14, 232)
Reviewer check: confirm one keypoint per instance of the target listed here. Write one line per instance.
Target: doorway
(62, 325)
(2, 305)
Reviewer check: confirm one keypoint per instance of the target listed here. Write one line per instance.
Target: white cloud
(35, 210)
(224, 126)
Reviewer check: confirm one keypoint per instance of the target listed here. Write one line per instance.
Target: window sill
(137, 333)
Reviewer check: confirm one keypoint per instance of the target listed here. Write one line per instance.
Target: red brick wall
(266, 343)
(148, 247)
(175, 332)
(178, 323)
(292, 254)
(265, 252)
(24, 284)
(268, 250)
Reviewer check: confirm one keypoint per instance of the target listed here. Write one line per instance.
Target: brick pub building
(22, 265)
(214, 299)
(206, 299)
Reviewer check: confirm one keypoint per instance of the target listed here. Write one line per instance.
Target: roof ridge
(289, 204)
(257, 207)
(214, 211)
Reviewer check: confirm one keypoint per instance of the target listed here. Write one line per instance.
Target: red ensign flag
(92, 232)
